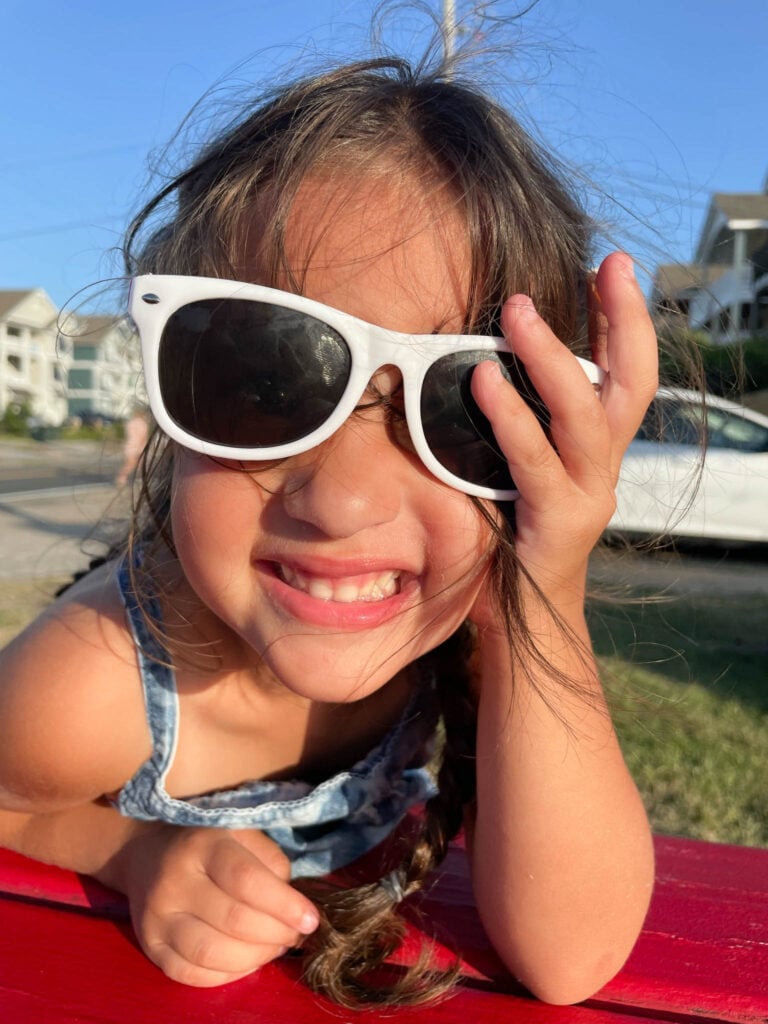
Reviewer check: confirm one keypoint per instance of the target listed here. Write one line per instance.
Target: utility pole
(449, 27)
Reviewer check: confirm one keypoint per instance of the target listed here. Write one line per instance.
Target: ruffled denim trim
(320, 828)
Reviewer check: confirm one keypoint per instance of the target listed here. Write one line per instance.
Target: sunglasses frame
(154, 298)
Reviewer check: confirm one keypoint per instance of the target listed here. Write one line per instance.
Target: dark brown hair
(526, 233)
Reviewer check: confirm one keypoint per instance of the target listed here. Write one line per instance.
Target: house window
(14, 363)
(12, 331)
(85, 353)
(80, 379)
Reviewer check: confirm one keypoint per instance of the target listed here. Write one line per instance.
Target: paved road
(712, 571)
(52, 496)
(27, 465)
(54, 533)
(47, 480)
(54, 530)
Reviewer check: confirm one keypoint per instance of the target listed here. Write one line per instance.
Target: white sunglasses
(240, 371)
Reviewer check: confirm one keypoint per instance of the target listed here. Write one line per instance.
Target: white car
(697, 470)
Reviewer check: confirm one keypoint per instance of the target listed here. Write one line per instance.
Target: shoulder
(72, 723)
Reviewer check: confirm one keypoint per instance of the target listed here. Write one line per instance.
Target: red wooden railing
(67, 956)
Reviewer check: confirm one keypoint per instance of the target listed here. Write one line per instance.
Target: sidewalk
(45, 533)
(55, 533)
(66, 456)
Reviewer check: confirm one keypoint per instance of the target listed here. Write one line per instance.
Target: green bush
(92, 432)
(15, 419)
(726, 370)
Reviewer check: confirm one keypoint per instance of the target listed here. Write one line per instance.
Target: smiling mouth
(367, 588)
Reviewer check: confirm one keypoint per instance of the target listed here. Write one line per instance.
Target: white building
(62, 366)
(104, 376)
(34, 357)
(725, 290)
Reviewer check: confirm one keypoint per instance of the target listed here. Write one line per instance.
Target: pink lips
(336, 595)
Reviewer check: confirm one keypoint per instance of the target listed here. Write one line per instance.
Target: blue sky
(661, 102)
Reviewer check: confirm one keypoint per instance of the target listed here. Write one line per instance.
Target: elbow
(576, 967)
(570, 968)
(565, 984)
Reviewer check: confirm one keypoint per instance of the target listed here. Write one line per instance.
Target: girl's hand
(210, 906)
(564, 895)
(567, 480)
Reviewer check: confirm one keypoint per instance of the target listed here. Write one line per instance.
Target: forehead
(386, 248)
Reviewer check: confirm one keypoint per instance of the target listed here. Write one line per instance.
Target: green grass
(688, 683)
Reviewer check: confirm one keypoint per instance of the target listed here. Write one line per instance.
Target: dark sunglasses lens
(250, 374)
(458, 434)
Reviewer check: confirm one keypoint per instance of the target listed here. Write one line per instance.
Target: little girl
(354, 580)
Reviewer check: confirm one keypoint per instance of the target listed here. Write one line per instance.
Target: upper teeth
(368, 587)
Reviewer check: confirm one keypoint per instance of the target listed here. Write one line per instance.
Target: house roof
(10, 299)
(671, 279)
(726, 210)
(742, 205)
(92, 328)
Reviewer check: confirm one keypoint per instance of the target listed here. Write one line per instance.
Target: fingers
(195, 954)
(266, 849)
(215, 910)
(589, 436)
(533, 462)
(632, 350)
(598, 325)
(251, 885)
(578, 445)
(577, 423)
(186, 939)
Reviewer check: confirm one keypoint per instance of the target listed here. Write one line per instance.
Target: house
(59, 366)
(104, 377)
(675, 285)
(34, 356)
(725, 290)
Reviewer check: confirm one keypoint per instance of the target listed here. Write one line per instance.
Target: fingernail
(309, 922)
(494, 369)
(523, 306)
(627, 266)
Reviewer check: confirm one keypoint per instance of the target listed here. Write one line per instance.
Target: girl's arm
(208, 905)
(561, 846)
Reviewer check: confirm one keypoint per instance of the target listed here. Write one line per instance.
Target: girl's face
(333, 570)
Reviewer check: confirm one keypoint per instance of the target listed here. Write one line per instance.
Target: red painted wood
(702, 957)
(61, 967)
(704, 947)
(32, 880)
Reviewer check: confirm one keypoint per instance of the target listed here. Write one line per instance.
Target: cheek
(462, 556)
(214, 508)
(462, 549)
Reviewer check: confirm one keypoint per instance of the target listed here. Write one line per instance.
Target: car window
(669, 421)
(673, 421)
(729, 430)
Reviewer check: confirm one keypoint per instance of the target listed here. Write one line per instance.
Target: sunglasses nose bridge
(384, 359)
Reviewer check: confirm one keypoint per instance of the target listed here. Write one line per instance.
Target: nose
(352, 482)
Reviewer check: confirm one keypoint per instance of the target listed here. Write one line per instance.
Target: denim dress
(320, 828)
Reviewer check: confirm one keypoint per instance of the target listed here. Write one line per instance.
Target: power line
(60, 229)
